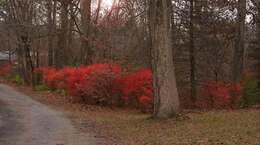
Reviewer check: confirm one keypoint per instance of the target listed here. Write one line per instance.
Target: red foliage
(96, 82)
(56, 79)
(5, 70)
(103, 83)
(220, 96)
(108, 84)
(138, 89)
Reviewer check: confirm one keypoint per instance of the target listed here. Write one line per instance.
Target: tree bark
(257, 50)
(166, 100)
(60, 52)
(70, 34)
(238, 58)
(192, 54)
(50, 37)
(86, 51)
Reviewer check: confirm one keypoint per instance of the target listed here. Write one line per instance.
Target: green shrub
(18, 80)
(251, 91)
(61, 91)
(41, 88)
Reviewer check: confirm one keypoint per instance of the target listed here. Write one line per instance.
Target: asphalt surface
(24, 121)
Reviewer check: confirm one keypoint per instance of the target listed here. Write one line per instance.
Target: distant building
(4, 58)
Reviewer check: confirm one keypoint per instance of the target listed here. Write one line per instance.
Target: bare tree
(192, 54)
(166, 102)
(60, 53)
(51, 7)
(86, 51)
(238, 57)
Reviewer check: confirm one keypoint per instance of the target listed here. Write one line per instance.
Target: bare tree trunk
(9, 48)
(238, 57)
(70, 35)
(166, 100)
(258, 36)
(21, 62)
(98, 11)
(257, 50)
(60, 52)
(192, 55)
(86, 51)
(50, 37)
(54, 15)
(37, 63)
(29, 66)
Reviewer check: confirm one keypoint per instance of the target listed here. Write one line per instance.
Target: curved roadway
(24, 121)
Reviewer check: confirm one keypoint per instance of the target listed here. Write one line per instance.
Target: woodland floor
(128, 126)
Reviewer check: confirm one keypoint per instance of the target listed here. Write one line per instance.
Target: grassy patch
(41, 88)
(18, 80)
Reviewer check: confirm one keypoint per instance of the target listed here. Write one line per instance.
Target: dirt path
(24, 121)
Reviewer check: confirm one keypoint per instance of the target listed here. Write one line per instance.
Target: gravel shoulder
(26, 121)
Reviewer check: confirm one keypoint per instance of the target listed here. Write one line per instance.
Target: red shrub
(5, 70)
(107, 84)
(76, 80)
(220, 96)
(95, 82)
(55, 79)
(138, 89)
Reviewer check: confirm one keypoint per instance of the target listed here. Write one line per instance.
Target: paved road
(24, 121)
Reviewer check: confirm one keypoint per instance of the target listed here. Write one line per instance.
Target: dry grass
(124, 126)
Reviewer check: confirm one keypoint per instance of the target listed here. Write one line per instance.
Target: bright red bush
(108, 84)
(5, 70)
(96, 82)
(103, 83)
(55, 79)
(137, 89)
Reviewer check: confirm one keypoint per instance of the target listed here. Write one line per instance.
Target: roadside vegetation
(214, 119)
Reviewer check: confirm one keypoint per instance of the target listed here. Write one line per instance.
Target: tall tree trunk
(60, 55)
(238, 57)
(20, 57)
(166, 100)
(70, 34)
(86, 51)
(257, 50)
(192, 54)
(54, 16)
(98, 11)
(258, 36)
(50, 37)
(29, 65)
(9, 48)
